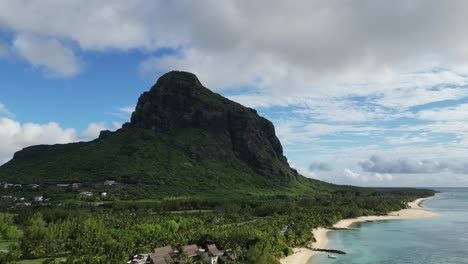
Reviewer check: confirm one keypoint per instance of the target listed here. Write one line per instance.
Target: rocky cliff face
(179, 101)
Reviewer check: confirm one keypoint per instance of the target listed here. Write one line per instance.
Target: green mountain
(182, 140)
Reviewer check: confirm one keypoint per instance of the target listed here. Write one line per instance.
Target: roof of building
(159, 259)
(190, 250)
(167, 250)
(213, 250)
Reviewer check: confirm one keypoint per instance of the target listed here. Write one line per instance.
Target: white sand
(302, 255)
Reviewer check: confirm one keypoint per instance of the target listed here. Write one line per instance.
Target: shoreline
(303, 255)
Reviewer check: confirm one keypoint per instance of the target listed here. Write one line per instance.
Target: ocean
(442, 240)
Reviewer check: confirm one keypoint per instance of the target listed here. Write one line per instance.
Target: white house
(109, 183)
(212, 254)
(88, 194)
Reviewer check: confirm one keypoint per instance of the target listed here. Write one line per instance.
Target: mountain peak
(179, 101)
(180, 79)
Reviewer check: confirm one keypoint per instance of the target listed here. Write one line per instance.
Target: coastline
(302, 255)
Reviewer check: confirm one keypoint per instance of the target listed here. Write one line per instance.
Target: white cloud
(95, 25)
(16, 136)
(367, 177)
(303, 171)
(266, 43)
(4, 110)
(127, 109)
(296, 131)
(449, 113)
(407, 139)
(124, 112)
(117, 125)
(92, 131)
(402, 165)
(319, 166)
(48, 54)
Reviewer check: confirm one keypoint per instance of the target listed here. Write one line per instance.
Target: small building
(190, 250)
(109, 182)
(8, 185)
(161, 255)
(34, 186)
(76, 185)
(87, 194)
(23, 204)
(104, 194)
(39, 198)
(212, 254)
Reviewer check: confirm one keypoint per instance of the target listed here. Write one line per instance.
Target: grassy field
(4, 244)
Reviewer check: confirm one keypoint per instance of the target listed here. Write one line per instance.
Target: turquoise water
(441, 240)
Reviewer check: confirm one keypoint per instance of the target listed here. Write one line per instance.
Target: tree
(12, 232)
(260, 253)
(33, 242)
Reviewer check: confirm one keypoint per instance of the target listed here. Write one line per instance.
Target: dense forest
(250, 228)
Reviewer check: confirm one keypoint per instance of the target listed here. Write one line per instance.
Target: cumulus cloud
(265, 42)
(378, 164)
(304, 171)
(92, 131)
(48, 54)
(96, 25)
(304, 42)
(367, 177)
(320, 166)
(15, 136)
(4, 110)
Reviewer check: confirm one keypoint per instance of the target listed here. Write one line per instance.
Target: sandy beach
(302, 255)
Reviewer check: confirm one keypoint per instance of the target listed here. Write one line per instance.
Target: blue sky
(367, 98)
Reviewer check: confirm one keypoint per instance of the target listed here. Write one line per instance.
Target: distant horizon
(366, 95)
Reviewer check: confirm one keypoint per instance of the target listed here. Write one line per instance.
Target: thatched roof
(157, 259)
(190, 250)
(213, 250)
(163, 250)
(161, 255)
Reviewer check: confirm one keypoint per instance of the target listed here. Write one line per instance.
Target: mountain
(182, 139)
(179, 101)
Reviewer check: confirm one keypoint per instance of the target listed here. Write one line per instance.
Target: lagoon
(423, 241)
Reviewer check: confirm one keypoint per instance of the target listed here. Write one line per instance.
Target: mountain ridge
(182, 139)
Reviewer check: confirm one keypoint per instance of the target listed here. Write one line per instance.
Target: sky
(362, 92)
